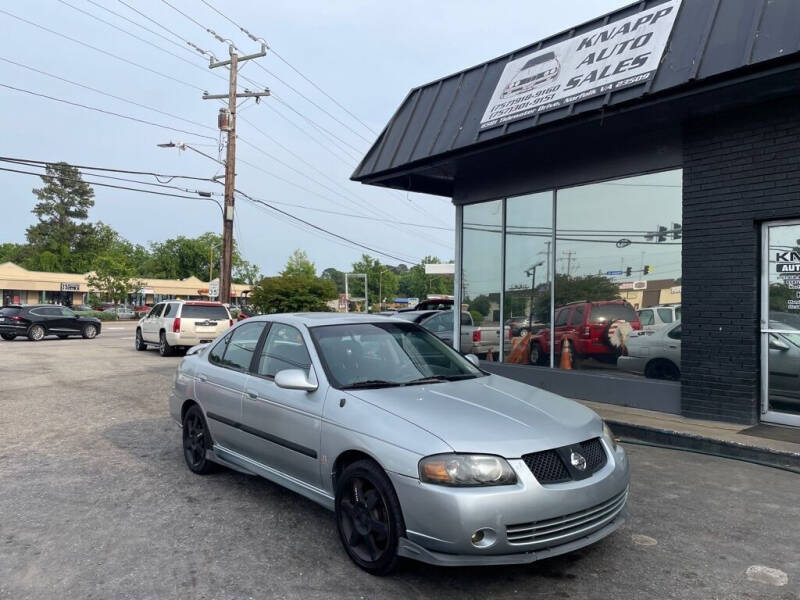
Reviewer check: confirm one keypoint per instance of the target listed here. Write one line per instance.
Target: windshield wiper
(421, 380)
(459, 376)
(371, 383)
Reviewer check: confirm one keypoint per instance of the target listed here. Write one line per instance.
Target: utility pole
(227, 122)
(570, 254)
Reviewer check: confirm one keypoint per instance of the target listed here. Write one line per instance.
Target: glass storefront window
(526, 309)
(481, 277)
(613, 275)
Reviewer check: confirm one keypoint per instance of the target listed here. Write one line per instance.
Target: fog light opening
(484, 538)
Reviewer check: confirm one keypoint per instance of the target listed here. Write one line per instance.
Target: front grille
(547, 467)
(551, 532)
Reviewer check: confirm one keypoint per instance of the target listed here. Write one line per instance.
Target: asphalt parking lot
(95, 502)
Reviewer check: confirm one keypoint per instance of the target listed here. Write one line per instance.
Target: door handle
(253, 395)
(202, 377)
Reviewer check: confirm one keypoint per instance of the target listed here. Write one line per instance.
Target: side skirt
(251, 466)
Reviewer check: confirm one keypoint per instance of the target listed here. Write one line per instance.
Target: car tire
(36, 333)
(139, 341)
(164, 349)
(8, 336)
(662, 368)
(368, 517)
(89, 332)
(538, 356)
(196, 440)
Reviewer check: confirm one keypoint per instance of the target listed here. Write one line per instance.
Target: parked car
(656, 355)
(82, 308)
(37, 321)
(655, 317)
(440, 324)
(418, 452)
(122, 312)
(181, 324)
(142, 310)
(431, 304)
(591, 328)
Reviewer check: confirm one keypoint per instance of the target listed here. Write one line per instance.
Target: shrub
(102, 315)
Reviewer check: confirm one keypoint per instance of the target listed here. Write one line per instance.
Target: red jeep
(590, 328)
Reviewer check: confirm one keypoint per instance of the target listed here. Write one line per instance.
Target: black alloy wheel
(196, 440)
(139, 343)
(89, 332)
(164, 349)
(36, 333)
(8, 336)
(368, 517)
(662, 369)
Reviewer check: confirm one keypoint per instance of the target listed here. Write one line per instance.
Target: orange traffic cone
(566, 356)
(489, 356)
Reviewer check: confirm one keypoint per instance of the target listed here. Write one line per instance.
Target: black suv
(39, 320)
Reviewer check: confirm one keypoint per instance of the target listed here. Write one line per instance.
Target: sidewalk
(709, 437)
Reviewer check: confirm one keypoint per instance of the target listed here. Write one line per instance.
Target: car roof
(318, 319)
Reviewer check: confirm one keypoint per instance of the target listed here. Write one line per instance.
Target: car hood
(492, 415)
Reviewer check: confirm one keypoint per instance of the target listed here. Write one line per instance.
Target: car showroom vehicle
(594, 330)
(440, 324)
(655, 354)
(419, 453)
(37, 321)
(181, 324)
(431, 304)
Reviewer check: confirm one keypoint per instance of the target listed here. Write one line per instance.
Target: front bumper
(559, 517)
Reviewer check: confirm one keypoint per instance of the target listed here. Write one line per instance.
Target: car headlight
(466, 470)
(609, 435)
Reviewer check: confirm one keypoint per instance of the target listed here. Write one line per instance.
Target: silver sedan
(419, 452)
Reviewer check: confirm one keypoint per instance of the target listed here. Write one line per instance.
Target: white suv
(180, 324)
(654, 318)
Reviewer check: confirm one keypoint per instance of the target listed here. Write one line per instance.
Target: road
(95, 502)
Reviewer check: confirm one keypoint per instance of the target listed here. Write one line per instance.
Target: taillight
(587, 332)
(476, 335)
(176, 325)
(230, 322)
(17, 319)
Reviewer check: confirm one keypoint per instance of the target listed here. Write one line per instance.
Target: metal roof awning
(706, 43)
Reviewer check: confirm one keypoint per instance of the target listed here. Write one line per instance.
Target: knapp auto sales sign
(605, 59)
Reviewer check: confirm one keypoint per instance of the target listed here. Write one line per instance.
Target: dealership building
(648, 160)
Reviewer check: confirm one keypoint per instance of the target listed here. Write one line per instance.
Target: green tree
(113, 278)
(16, 253)
(414, 283)
(293, 294)
(381, 279)
(299, 265)
(481, 304)
(63, 206)
(336, 276)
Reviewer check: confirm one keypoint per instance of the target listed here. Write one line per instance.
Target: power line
(318, 88)
(216, 36)
(120, 98)
(183, 39)
(141, 39)
(106, 112)
(315, 124)
(96, 49)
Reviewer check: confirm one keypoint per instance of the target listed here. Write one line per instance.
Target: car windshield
(364, 355)
(203, 311)
(608, 313)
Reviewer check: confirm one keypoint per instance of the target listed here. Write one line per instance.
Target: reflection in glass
(783, 356)
(529, 229)
(618, 252)
(481, 278)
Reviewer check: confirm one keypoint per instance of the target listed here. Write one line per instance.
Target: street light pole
(380, 288)
(531, 271)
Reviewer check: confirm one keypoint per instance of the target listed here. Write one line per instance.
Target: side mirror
(776, 344)
(294, 379)
(473, 359)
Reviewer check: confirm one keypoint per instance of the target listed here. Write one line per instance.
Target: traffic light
(662, 234)
(646, 269)
(677, 231)
(628, 272)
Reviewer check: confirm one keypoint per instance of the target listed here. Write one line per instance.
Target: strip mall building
(21, 286)
(659, 142)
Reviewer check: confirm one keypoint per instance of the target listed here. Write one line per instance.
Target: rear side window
(646, 317)
(167, 310)
(608, 313)
(665, 314)
(202, 311)
(10, 312)
(577, 315)
(561, 318)
(675, 334)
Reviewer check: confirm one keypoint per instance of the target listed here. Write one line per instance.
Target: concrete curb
(669, 438)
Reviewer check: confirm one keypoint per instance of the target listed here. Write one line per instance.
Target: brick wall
(740, 169)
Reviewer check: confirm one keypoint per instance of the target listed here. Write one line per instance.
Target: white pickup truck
(485, 338)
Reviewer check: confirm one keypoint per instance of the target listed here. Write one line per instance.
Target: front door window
(780, 323)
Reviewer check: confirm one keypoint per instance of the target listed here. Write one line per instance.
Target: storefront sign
(70, 287)
(605, 59)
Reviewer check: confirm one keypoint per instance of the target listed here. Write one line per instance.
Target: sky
(365, 55)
